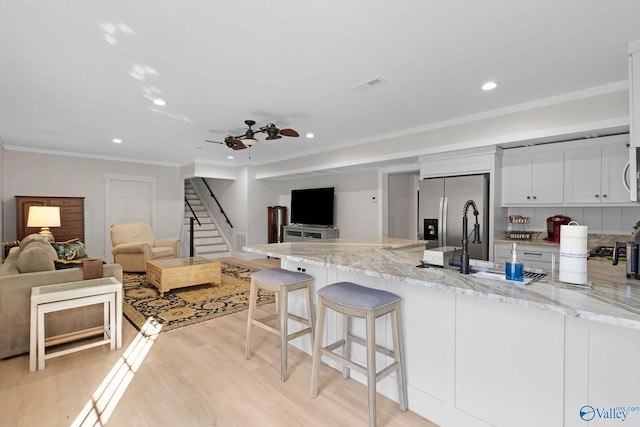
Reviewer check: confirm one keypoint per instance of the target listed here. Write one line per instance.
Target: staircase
(208, 241)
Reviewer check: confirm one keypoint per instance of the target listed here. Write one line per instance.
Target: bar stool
(353, 300)
(281, 282)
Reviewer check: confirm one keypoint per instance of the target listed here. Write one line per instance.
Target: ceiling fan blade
(273, 137)
(235, 144)
(214, 142)
(289, 132)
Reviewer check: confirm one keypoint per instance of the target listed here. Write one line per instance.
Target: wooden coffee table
(166, 274)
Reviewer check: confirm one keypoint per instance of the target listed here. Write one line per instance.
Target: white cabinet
(532, 256)
(532, 178)
(601, 372)
(634, 92)
(593, 175)
(295, 233)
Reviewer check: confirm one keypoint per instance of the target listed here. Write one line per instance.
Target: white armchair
(134, 244)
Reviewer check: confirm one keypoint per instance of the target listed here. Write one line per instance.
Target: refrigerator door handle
(443, 220)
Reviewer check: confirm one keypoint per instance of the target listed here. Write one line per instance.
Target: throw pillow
(62, 264)
(43, 244)
(30, 239)
(33, 259)
(70, 250)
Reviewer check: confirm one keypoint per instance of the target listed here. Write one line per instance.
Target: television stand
(301, 233)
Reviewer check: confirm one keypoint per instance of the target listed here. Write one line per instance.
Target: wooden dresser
(71, 216)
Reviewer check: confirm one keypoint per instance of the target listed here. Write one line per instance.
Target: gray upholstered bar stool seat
(281, 282)
(353, 300)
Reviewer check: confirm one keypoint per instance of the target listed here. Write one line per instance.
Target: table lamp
(44, 217)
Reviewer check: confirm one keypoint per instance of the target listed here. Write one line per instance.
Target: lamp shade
(44, 216)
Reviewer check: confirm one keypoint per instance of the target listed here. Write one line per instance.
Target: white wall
(34, 174)
(403, 205)
(245, 200)
(2, 180)
(354, 213)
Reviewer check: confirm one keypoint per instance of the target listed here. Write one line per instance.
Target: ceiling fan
(248, 139)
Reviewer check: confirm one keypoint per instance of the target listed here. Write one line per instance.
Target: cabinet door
(614, 159)
(583, 173)
(516, 179)
(634, 96)
(547, 178)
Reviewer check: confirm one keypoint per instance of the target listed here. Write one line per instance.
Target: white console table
(51, 298)
(297, 233)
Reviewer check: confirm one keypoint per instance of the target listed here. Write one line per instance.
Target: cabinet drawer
(66, 234)
(531, 255)
(66, 202)
(71, 210)
(70, 217)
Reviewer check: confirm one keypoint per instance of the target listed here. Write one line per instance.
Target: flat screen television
(312, 206)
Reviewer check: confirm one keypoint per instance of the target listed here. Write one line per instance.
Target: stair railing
(218, 203)
(191, 220)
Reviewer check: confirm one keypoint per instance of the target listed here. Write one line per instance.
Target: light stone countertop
(613, 299)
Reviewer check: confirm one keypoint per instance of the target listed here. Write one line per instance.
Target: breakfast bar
(484, 352)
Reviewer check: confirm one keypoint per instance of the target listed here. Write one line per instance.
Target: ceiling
(76, 74)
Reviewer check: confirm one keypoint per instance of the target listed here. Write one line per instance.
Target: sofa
(36, 262)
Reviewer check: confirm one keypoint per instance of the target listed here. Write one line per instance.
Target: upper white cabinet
(593, 175)
(532, 178)
(634, 92)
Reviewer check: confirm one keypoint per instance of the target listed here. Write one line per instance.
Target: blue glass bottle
(514, 269)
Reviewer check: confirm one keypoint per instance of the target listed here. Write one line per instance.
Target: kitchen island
(485, 352)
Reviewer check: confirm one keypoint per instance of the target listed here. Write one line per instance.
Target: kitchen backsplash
(605, 220)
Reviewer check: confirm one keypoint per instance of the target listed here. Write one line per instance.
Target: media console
(298, 233)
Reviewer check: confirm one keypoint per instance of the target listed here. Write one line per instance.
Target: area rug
(190, 305)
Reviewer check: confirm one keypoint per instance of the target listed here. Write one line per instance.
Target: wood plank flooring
(193, 376)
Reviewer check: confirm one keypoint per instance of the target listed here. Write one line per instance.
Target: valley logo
(620, 413)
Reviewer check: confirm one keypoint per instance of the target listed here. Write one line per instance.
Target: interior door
(129, 199)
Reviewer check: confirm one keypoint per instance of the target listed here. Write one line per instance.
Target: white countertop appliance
(440, 256)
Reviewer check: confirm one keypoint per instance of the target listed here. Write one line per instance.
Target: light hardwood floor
(193, 376)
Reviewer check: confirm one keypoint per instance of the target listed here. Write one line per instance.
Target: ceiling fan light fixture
(249, 142)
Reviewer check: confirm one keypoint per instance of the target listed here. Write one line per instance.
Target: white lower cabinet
(509, 369)
(602, 374)
(532, 256)
(474, 362)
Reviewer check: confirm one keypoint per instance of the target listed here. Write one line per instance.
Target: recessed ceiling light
(117, 140)
(309, 135)
(159, 101)
(489, 86)
(230, 157)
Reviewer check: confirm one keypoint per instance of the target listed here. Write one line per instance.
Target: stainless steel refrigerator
(441, 203)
